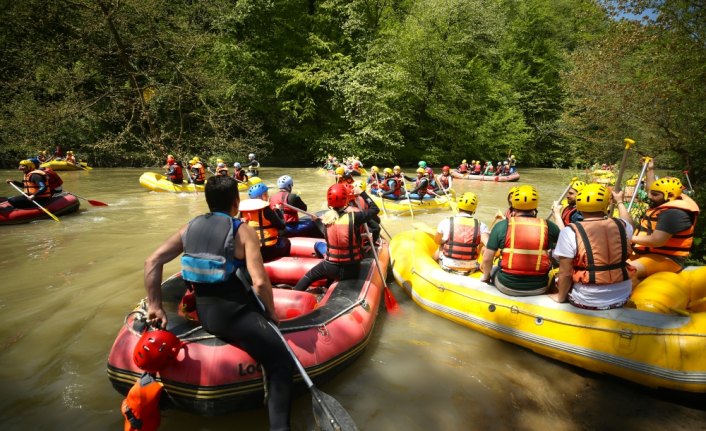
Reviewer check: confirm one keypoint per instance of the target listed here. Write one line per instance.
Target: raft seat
(293, 303)
(289, 270)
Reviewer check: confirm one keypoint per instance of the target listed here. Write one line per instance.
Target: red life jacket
(53, 179)
(464, 238)
(343, 240)
(566, 214)
(240, 175)
(32, 188)
(600, 259)
(462, 168)
(476, 169)
(679, 244)
(141, 407)
(177, 175)
(280, 198)
(526, 247)
(266, 232)
(444, 181)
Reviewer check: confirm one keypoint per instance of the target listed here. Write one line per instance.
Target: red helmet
(445, 169)
(338, 195)
(154, 349)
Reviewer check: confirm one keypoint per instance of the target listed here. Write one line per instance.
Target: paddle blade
(329, 413)
(97, 203)
(391, 304)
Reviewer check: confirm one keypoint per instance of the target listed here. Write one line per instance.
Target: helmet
(593, 198)
(360, 184)
(154, 349)
(374, 169)
(421, 171)
(170, 157)
(196, 159)
(254, 180)
(422, 164)
(525, 198)
(356, 164)
(512, 191)
(285, 182)
(237, 165)
(69, 152)
(429, 171)
(468, 202)
(337, 196)
(340, 170)
(251, 156)
(221, 165)
(445, 169)
(396, 168)
(27, 163)
(218, 161)
(667, 186)
(464, 161)
(578, 185)
(505, 162)
(256, 191)
(387, 171)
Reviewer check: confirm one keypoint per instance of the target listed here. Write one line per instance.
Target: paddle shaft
(388, 293)
(409, 201)
(312, 215)
(453, 207)
(566, 190)
(621, 171)
(92, 202)
(36, 203)
(686, 174)
(639, 182)
(188, 174)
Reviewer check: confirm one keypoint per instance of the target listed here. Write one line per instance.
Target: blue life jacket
(209, 249)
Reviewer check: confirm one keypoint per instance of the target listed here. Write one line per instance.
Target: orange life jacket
(343, 240)
(600, 257)
(240, 175)
(141, 407)
(679, 244)
(266, 232)
(280, 198)
(199, 172)
(526, 247)
(464, 238)
(222, 172)
(32, 188)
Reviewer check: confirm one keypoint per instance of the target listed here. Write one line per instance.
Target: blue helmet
(35, 161)
(285, 182)
(237, 165)
(256, 191)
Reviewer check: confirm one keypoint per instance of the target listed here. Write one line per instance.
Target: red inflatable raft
(497, 178)
(210, 377)
(62, 203)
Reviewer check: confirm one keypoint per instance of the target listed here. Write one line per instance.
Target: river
(69, 285)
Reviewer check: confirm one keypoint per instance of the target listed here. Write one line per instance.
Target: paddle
(424, 228)
(686, 174)
(188, 174)
(312, 215)
(382, 202)
(328, 413)
(37, 204)
(566, 190)
(639, 181)
(618, 183)
(391, 304)
(92, 202)
(409, 201)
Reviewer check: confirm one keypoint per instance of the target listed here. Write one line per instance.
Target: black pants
(248, 329)
(330, 271)
(22, 202)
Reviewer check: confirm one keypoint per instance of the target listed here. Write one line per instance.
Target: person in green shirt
(524, 241)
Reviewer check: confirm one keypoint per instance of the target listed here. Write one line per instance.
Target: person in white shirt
(459, 237)
(593, 270)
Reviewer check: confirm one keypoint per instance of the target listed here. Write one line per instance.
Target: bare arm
(566, 268)
(617, 198)
(154, 264)
(247, 239)
(657, 239)
(487, 264)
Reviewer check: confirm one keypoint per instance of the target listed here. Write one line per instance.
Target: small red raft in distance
(210, 377)
(59, 204)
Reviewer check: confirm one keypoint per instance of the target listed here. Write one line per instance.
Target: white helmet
(251, 156)
(285, 182)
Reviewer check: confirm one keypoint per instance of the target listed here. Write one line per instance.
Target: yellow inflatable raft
(640, 345)
(159, 183)
(402, 207)
(63, 165)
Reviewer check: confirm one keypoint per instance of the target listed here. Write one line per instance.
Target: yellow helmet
(525, 198)
(578, 185)
(468, 202)
(196, 159)
(632, 181)
(254, 180)
(420, 171)
(593, 198)
(27, 163)
(69, 152)
(362, 184)
(340, 170)
(374, 169)
(512, 191)
(219, 161)
(463, 161)
(667, 186)
(387, 171)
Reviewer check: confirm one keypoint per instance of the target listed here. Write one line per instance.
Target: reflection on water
(68, 285)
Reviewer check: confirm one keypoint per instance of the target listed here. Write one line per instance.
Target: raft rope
(539, 318)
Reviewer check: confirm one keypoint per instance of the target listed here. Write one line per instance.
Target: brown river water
(67, 287)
